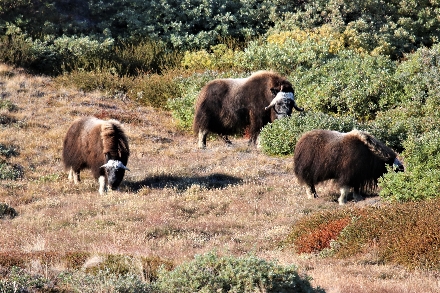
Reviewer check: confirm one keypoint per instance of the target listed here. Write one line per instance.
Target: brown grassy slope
(177, 201)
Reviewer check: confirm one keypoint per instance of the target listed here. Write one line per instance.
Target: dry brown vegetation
(177, 200)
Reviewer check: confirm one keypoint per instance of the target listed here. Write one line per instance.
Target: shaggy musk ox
(354, 160)
(226, 106)
(99, 145)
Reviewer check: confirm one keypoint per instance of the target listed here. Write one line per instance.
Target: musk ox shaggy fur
(353, 160)
(100, 146)
(226, 106)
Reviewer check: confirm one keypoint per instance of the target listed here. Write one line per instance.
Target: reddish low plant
(320, 237)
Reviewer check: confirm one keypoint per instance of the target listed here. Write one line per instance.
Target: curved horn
(115, 164)
(297, 108)
(280, 96)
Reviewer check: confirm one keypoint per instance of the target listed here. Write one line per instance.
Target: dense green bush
(381, 27)
(421, 179)
(212, 273)
(283, 58)
(280, 137)
(349, 84)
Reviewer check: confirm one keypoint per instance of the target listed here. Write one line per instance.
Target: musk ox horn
(115, 164)
(280, 96)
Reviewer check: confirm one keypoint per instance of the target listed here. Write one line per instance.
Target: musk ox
(353, 160)
(100, 146)
(226, 106)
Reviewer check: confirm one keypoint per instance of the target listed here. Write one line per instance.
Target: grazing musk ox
(99, 145)
(354, 160)
(225, 106)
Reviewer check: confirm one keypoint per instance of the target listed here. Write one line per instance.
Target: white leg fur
(310, 194)
(344, 192)
(102, 185)
(73, 176)
(70, 175)
(202, 139)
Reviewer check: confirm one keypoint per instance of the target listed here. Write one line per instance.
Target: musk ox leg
(74, 176)
(345, 190)
(225, 139)
(357, 195)
(311, 192)
(202, 138)
(102, 185)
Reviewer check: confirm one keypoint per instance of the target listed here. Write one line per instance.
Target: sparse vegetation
(397, 233)
(371, 65)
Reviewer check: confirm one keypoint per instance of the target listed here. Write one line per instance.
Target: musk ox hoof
(357, 197)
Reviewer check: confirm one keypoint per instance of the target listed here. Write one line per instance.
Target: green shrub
(284, 57)
(154, 89)
(211, 273)
(421, 179)
(349, 84)
(8, 105)
(376, 27)
(20, 281)
(280, 137)
(10, 171)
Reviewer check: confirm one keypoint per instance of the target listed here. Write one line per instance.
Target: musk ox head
(283, 103)
(115, 173)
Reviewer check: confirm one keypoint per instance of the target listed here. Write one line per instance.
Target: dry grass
(177, 201)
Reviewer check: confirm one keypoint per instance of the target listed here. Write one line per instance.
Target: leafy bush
(421, 179)
(280, 137)
(220, 57)
(211, 273)
(20, 281)
(349, 84)
(10, 171)
(375, 26)
(282, 57)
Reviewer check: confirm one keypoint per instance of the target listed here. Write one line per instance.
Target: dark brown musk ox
(100, 146)
(353, 160)
(226, 106)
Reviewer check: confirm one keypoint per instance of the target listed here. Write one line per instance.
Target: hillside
(177, 201)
